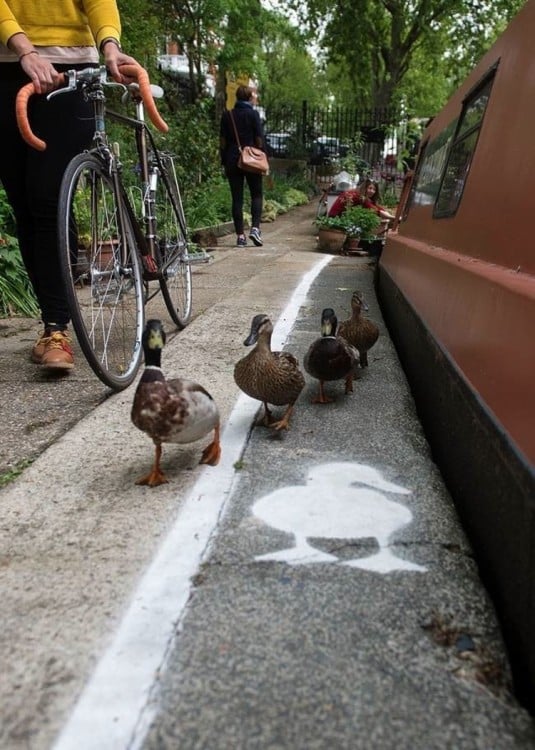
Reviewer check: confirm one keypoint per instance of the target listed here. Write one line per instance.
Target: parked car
(325, 149)
(278, 144)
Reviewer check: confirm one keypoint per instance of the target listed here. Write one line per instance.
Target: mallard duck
(330, 357)
(171, 411)
(270, 377)
(358, 330)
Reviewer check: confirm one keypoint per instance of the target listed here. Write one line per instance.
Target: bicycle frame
(150, 173)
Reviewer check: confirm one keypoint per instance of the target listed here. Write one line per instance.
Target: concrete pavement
(314, 591)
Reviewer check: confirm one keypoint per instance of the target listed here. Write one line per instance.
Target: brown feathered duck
(171, 411)
(359, 331)
(270, 377)
(330, 357)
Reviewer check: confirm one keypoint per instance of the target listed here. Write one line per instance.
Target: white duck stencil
(330, 506)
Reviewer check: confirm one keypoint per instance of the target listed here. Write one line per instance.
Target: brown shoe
(40, 345)
(57, 351)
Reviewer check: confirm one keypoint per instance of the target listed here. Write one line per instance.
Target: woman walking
(250, 133)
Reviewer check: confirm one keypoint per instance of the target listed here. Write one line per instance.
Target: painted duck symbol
(330, 506)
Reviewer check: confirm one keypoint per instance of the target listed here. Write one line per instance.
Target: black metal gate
(321, 135)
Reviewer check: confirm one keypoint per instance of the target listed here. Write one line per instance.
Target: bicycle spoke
(104, 287)
(172, 247)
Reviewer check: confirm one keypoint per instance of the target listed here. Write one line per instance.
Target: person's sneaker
(255, 235)
(57, 354)
(241, 241)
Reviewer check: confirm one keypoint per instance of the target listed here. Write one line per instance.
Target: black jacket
(249, 129)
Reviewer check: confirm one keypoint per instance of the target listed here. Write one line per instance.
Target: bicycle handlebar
(77, 78)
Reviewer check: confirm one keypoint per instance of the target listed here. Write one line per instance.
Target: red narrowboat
(456, 281)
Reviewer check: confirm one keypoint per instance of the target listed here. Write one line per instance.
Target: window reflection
(462, 150)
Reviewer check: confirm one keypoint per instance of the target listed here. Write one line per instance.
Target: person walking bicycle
(38, 42)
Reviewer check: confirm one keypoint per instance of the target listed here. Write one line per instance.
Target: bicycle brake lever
(70, 75)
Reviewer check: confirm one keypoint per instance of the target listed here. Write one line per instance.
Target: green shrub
(331, 222)
(356, 221)
(209, 203)
(361, 222)
(16, 294)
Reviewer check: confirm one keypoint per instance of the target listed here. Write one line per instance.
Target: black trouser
(236, 178)
(32, 178)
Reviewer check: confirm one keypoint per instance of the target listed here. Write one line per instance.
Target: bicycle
(114, 250)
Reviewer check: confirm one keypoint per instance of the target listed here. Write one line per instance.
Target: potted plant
(331, 233)
(360, 224)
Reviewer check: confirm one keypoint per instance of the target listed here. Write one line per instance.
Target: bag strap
(235, 129)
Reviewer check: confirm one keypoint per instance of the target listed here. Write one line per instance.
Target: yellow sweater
(61, 23)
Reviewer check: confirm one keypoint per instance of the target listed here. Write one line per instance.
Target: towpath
(315, 590)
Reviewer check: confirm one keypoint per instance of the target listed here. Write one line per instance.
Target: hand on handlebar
(43, 75)
(113, 57)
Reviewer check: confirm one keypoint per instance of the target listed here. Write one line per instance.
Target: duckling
(270, 377)
(358, 330)
(330, 357)
(171, 411)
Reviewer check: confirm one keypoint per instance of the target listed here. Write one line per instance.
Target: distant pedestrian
(250, 133)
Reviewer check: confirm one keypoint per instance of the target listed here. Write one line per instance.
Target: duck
(171, 411)
(339, 500)
(267, 376)
(330, 357)
(358, 330)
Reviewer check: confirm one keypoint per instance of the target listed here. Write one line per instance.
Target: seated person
(366, 195)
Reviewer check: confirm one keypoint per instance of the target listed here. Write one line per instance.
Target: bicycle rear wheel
(101, 271)
(172, 245)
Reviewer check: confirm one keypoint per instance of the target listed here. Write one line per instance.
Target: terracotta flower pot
(330, 240)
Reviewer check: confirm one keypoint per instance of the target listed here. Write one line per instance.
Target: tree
(289, 74)
(377, 42)
(141, 30)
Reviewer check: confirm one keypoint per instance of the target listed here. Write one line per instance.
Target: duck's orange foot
(284, 423)
(212, 453)
(349, 384)
(267, 419)
(321, 399)
(153, 479)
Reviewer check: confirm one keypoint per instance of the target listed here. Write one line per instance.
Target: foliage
(7, 220)
(290, 74)
(16, 294)
(352, 162)
(141, 24)
(361, 222)
(375, 43)
(9, 476)
(355, 221)
(331, 222)
(209, 204)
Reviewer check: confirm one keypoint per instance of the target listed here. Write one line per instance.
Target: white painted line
(115, 710)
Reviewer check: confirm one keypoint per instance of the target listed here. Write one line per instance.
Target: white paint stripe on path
(114, 711)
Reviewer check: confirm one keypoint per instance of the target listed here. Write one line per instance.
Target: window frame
(461, 137)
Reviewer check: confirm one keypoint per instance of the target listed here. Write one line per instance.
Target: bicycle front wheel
(101, 271)
(172, 245)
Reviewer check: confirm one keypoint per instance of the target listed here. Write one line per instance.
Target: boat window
(430, 167)
(462, 149)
